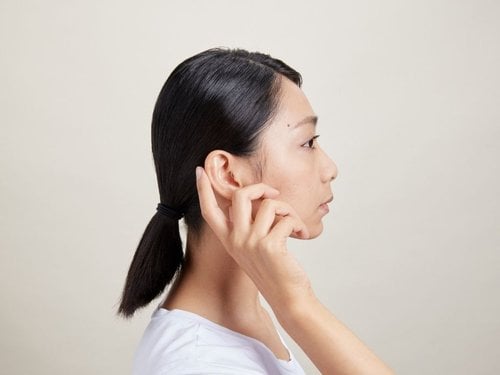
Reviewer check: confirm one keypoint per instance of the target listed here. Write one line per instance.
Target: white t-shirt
(179, 342)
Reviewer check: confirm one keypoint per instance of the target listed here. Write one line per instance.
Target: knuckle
(265, 243)
(252, 241)
(242, 194)
(288, 207)
(237, 243)
(287, 221)
(239, 194)
(267, 203)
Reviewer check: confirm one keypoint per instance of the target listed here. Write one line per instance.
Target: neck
(212, 284)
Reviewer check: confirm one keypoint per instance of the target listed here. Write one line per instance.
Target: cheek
(296, 195)
(301, 196)
(283, 180)
(291, 175)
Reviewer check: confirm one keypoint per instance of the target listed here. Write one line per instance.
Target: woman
(236, 156)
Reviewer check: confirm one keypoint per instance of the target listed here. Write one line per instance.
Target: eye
(311, 143)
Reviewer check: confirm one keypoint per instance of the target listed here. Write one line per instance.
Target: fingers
(286, 227)
(210, 210)
(266, 215)
(241, 210)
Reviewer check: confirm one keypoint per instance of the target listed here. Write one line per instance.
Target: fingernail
(198, 172)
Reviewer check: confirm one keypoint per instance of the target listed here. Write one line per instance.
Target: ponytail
(157, 259)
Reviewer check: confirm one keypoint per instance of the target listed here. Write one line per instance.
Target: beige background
(408, 98)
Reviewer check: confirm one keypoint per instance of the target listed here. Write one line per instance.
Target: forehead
(293, 110)
(313, 120)
(294, 117)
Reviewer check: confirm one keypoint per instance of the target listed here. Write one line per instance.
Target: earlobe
(219, 167)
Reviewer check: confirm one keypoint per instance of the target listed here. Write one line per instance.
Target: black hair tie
(169, 212)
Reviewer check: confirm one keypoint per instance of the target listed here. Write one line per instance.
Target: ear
(226, 172)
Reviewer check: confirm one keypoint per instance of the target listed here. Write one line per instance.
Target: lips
(324, 206)
(328, 201)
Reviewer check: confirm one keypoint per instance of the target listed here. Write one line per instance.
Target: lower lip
(324, 207)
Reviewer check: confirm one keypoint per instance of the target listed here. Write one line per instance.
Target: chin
(315, 231)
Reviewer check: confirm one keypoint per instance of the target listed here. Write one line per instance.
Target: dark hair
(219, 99)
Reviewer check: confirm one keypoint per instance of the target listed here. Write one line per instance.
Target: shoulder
(166, 342)
(182, 343)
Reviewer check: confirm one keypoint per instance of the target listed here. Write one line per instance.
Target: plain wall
(407, 93)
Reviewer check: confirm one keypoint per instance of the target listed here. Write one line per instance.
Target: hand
(259, 245)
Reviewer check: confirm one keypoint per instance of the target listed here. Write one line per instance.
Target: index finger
(210, 210)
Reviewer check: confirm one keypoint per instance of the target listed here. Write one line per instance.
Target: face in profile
(293, 162)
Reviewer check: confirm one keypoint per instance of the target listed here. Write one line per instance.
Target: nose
(329, 169)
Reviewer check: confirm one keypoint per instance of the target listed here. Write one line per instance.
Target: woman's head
(288, 158)
(216, 100)
(219, 99)
(293, 161)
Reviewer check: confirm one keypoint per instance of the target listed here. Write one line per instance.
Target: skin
(296, 166)
(252, 206)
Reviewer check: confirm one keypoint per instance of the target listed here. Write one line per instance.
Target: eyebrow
(307, 120)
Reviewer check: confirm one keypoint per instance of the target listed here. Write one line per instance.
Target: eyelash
(311, 143)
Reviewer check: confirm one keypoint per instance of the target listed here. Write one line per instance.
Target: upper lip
(328, 201)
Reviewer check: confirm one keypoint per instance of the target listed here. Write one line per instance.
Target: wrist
(296, 308)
